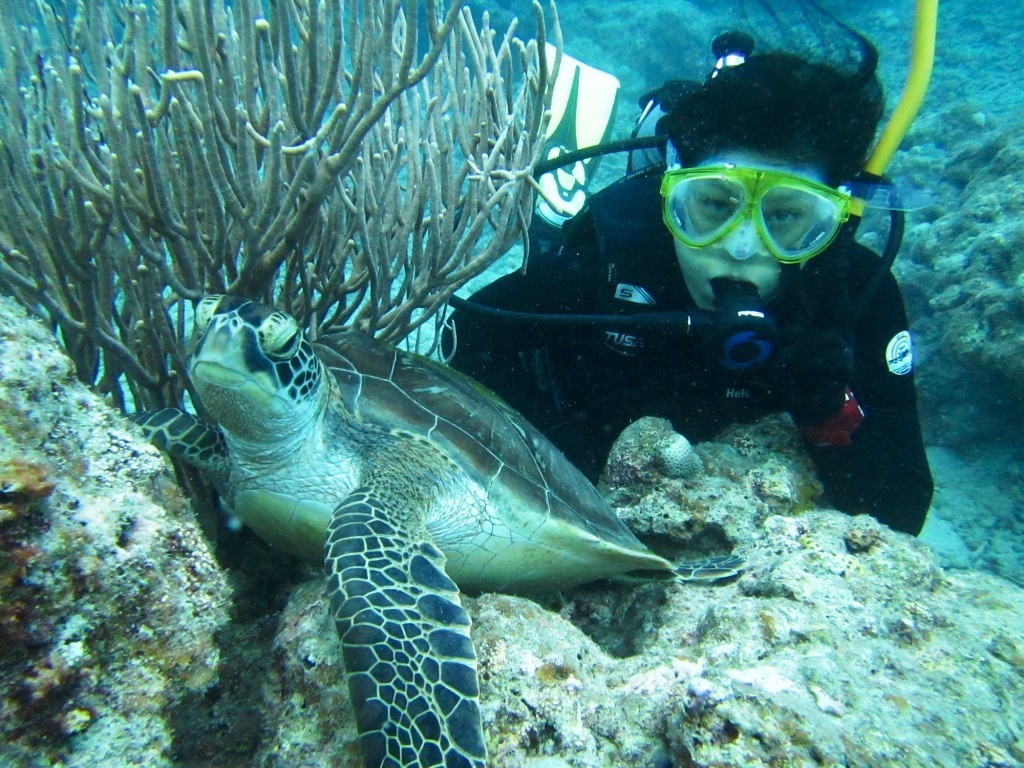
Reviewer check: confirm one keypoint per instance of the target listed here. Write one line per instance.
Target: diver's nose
(744, 242)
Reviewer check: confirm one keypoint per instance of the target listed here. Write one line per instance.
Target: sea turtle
(404, 479)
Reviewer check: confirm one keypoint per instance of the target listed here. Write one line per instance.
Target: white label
(899, 354)
(634, 293)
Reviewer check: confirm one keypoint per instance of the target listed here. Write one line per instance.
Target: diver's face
(741, 255)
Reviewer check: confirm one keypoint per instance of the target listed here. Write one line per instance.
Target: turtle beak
(229, 371)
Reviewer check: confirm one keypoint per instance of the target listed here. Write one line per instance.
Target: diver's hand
(811, 372)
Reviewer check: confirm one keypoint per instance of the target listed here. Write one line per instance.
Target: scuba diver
(722, 284)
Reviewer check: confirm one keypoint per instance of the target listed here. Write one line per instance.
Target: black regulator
(738, 332)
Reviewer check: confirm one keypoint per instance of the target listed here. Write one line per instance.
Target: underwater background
(125, 641)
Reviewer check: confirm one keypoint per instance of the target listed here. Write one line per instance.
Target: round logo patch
(899, 354)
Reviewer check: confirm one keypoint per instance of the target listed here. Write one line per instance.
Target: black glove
(811, 372)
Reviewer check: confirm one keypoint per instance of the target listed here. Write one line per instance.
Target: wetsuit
(582, 386)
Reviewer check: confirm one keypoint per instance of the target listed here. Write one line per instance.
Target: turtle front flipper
(405, 639)
(184, 437)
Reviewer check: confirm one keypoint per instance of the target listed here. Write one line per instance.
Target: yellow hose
(922, 56)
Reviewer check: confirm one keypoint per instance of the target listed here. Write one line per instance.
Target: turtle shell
(496, 447)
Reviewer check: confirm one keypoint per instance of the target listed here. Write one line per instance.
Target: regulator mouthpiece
(740, 328)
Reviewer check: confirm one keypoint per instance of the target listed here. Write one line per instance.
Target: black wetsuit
(583, 385)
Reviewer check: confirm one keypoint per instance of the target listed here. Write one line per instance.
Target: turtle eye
(280, 335)
(205, 310)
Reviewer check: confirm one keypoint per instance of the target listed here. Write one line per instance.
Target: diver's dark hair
(786, 105)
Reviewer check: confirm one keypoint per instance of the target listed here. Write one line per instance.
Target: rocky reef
(843, 643)
(125, 642)
(110, 600)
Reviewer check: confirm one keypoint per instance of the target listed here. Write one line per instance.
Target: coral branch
(353, 161)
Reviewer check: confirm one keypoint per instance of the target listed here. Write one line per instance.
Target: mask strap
(672, 159)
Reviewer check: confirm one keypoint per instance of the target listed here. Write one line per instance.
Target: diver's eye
(783, 216)
(716, 207)
(205, 310)
(280, 335)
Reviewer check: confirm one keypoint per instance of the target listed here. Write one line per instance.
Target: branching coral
(353, 162)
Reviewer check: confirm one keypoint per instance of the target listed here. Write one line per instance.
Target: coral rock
(109, 601)
(677, 457)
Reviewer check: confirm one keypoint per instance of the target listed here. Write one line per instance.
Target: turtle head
(254, 369)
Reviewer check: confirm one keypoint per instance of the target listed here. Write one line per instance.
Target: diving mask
(796, 218)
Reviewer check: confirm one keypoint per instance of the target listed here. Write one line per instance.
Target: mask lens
(799, 222)
(796, 218)
(699, 209)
